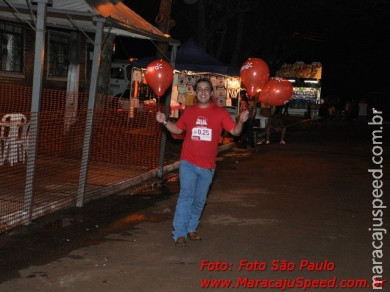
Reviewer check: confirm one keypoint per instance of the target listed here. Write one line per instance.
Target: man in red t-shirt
(203, 124)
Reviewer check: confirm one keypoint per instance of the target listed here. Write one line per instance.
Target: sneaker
(267, 142)
(181, 242)
(194, 236)
(282, 142)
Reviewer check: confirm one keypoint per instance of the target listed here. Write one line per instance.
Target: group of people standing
(275, 122)
(347, 110)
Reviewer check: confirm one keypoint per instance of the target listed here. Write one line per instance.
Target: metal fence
(45, 173)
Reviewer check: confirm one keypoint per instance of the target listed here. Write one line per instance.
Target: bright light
(233, 83)
(311, 81)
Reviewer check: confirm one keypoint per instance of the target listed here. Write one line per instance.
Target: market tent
(190, 57)
(81, 15)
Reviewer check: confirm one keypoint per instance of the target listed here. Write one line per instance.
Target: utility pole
(165, 23)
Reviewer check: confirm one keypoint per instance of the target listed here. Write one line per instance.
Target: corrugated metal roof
(79, 14)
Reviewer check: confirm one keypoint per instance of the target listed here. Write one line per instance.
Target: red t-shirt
(203, 128)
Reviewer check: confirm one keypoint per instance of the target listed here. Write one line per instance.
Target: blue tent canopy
(191, 57)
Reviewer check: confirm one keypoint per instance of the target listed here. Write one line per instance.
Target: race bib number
(201, 134)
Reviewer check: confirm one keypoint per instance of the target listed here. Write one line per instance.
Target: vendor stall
(306, 81)
(226, 90)
(192, 63)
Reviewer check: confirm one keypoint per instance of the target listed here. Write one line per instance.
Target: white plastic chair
(22, 143)
(15, 143)
(2, 143)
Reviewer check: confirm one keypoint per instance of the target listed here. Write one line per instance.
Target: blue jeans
(194, 186)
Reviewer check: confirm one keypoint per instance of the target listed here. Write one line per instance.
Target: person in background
(308, 110)
(247, 136)
(323, 111)
(348, 110)
(285, 109)
(252, 108)
(243, 100)
(203, 124)
(276, 123)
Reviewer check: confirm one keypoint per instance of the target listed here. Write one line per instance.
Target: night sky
(348, 37)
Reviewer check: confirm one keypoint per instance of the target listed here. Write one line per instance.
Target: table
(13, 139)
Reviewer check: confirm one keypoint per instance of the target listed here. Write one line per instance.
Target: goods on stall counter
(225, 89)
(228, 102)
(150, 102)
(190, 89)
(221, 101)
(213, 80)
(181, 98)
(136, 76)
(220, 95)
(221, 81)
(233, 92)
(189, 99)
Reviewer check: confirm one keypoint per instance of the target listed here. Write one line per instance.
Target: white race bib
(201, 134)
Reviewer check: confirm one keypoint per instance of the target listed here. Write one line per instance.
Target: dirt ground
(296, 214)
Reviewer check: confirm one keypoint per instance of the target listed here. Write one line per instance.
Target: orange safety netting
(123, 145)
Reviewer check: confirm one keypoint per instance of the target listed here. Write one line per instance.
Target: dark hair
(203, 80)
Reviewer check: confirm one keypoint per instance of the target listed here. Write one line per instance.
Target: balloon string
(158, 103)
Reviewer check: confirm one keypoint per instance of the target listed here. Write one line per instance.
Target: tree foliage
(278, 31)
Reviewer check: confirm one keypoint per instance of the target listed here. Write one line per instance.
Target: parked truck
(120, 77)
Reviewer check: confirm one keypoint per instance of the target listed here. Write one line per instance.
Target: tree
(165, 23)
